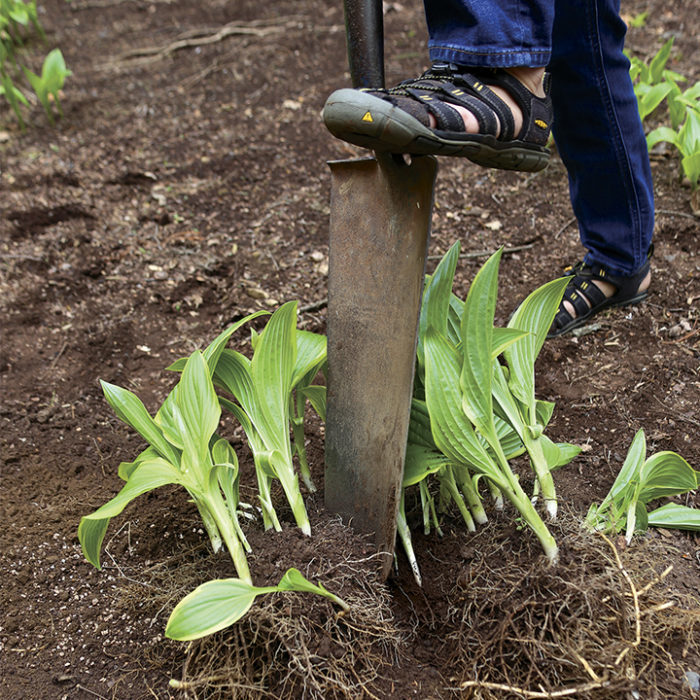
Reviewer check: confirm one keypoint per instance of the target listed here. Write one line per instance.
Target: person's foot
(494, 117)
(592, 289)
(531, 78)
(609, 290)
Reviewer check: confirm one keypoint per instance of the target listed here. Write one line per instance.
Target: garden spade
(379, 231)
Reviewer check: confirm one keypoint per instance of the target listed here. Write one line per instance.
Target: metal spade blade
(379, 231)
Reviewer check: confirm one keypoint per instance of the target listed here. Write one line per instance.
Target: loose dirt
(186, 186)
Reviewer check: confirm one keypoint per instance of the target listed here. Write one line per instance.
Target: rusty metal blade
(379, 231)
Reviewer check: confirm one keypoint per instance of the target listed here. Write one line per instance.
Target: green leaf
(14, 96)
(311, 353)
(511, 443)
(198, 403)
(658, 63)
(641, 518)
(689, 135)
(146, 477)
(233, 375)
(675, 516)
(223, 453)
(420, 463)
(165, 419)
(477, 344)
(653, 98)
(662, 133)
(213, 351)
(691, 168)
(419, 432)
(666, 474)
(316, 396)
(452, 431)
(272, 369)
(91, 534)
(535, 315)
(126, 469)
(544, 411)
(128, 408)
(567, 452)
(211, 607)
(436, 297)
(628, 477)
(504, 338)
(294, 581)
(552, 454)
(177, 366)
(215, 348)
(54, 72)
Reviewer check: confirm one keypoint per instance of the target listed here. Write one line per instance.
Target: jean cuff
(489, 58)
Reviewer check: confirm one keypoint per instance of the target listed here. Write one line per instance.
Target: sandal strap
(587, 299)
(536, 111)
(444, 85)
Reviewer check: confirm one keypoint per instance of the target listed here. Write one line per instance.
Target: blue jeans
(596, 127)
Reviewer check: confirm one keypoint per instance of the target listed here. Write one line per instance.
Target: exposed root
(291, 645)
(592, 628)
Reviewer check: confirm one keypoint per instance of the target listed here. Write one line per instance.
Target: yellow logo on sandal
(367, 117)
(541, 124)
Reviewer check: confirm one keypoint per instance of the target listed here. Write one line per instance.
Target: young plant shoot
(284, 359)
(217, 604)
(482, 413)
(183, 449)
(641, 481)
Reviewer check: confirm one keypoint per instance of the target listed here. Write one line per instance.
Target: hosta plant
(654, 84)
(640, 481)
(269, 392)
(183, 449)
(49, 83)
(15, 17)
(652, 81)
(473, 413)
(686, 138)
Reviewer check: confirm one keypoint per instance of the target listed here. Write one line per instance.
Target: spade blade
(379, 232)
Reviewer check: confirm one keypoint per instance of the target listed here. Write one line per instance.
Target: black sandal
(397, 119)
(588, 300)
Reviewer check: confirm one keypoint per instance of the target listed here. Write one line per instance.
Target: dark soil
(185, 186)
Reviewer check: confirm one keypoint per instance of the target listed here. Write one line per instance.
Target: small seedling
(640, 481)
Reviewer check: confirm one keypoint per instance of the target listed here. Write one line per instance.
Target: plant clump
(595, 627)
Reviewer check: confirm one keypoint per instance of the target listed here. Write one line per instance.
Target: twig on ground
(670, 212)
(257, 29)
(487, 253)
(101, 4)
(314, 306)
(572, 220)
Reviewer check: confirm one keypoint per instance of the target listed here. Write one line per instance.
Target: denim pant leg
(599, 134)
(596, 121)
(490, 33)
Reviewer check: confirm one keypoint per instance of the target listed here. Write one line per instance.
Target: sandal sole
(368, 121)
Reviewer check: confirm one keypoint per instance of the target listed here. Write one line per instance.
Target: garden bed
(186, 186)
